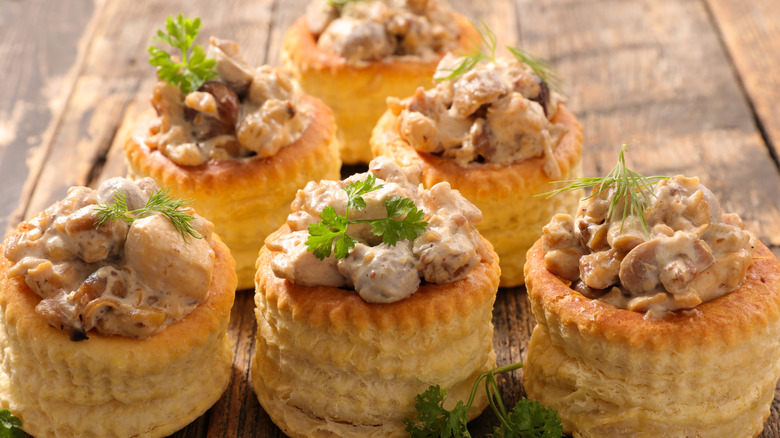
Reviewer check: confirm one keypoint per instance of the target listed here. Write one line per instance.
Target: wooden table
(692, 85)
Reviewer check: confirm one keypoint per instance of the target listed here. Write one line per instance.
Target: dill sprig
(471, 59)
(161, 201)
(539, 66)
(630, 187)
(488, 38)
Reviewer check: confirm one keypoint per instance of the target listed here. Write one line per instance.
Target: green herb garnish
(194, 68)
(332, 228)
(470, 59)
(10, 426)
(339, 4)
(161, 201)
(539, 66)
(631, 188)
(528, 419)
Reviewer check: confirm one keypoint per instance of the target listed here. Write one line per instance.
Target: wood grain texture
(751, 33)
(690, 84)
(37, 76)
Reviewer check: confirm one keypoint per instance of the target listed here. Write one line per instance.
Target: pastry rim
(487, 180)
(213, 176)
(299, 46)
(136, 355)
(725, 320)
(323, 306)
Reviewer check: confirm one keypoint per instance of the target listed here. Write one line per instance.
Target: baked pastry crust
(113, 386)
(512, 217)
(329, 364)
(246, 198)
(357, 94)
(706, 372)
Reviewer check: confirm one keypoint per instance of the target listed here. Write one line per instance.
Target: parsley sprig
(631, 188)
(403, 221)
(528, 419)
(161, 201)
(10, 426)
(470, 59)
(194, 68)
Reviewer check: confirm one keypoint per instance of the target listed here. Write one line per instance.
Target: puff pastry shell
(113, 386)
(708, 372)
(329, 364)
(512, 217)
(248, 198)
(357, 94)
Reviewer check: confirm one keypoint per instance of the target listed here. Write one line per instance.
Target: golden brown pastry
(348, 357)
(239, 148)
(119, 371)
(355, 72)
(498, 158)
(672, 332)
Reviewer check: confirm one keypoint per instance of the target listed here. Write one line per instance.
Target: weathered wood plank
(37, 76)
(751, 33)
(652, 73)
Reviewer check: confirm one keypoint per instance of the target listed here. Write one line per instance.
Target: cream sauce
(371, 30)
(692, 253)
(117, 279)
(244, 112)
(382, 273)
(497, 112)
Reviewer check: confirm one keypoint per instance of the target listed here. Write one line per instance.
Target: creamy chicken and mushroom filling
(691, 253)
(497, 112)
(128, 279)
(244, 112)
(379, 272)
(371, 30)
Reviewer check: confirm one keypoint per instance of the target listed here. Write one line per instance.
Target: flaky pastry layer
(512, 216)
(113, 386)
(706, 372)
(247, 198)
(357, 94)
(329, 364)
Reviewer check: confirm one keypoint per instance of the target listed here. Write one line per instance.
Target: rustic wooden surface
(692, 85)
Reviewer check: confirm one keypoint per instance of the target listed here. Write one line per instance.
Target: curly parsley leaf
(433, 420)
(403, 221)
(355, 191)
(393, 230)
(194, 68)
(10, 426)
(161, 201)
(530, 419)
(527, 420)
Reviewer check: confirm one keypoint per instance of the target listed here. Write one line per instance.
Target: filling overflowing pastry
(114, 308)
(373, 290)
(355, 54)
(239, 141)
(657, 314)
(495, 130)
